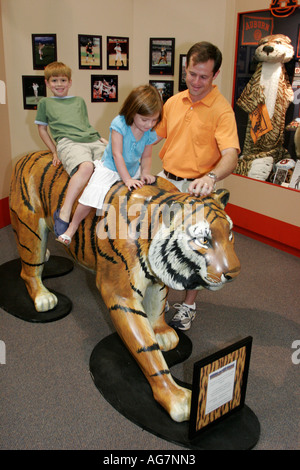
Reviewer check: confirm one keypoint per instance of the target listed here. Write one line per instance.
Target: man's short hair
(202, 52)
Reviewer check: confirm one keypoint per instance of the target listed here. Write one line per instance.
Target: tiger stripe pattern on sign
(205, 417)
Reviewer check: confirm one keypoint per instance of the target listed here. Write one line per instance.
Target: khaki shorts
(72, 154)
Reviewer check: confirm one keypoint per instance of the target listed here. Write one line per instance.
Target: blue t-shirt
(132, 149)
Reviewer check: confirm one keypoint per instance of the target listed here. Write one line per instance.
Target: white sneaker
(182, 320)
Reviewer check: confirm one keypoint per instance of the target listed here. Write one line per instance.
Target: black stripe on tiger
(161, 372)
(47, 199)
(128, 310)
(33, 265)
(213, 208)
(25, 225)
(177, 253)
(51, 189)
(25, 196)
(92, 235)
(153, 347)
(106, 256)
(21, 244)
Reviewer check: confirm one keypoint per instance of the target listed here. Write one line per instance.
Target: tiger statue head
(196, 249)
(146, 241)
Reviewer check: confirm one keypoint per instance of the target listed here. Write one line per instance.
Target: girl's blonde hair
(144, 100)
(56, 69)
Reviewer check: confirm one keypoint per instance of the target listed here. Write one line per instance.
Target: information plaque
(219, 385)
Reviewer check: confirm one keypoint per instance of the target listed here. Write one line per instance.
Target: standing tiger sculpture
(147, 240)
(266, 99)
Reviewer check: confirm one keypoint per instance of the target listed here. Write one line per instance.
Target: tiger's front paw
(181, 408)
(45, 301)
(176, 401)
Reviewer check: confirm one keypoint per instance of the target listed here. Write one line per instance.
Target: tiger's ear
(221, 196)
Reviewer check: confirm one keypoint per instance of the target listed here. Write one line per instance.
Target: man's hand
(202, 186)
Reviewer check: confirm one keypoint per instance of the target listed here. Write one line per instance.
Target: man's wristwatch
(213, 176)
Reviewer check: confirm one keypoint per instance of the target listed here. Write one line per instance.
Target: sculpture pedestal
(15, 299)
(121, 382)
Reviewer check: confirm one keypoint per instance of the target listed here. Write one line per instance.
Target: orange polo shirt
(196, 133)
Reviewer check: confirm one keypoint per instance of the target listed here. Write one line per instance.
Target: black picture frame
(44, 50)
(89, 51)
(34, 88)
(182, 73)
(161, 56)
(164, 87)
(104, 88)
(117, 53)
(219, 385)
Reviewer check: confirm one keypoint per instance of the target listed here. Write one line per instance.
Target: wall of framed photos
(126, 21)
(23, 24)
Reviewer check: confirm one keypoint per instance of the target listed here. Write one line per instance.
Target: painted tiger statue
(146, 240)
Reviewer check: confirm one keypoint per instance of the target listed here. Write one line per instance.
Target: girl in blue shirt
(127, 156)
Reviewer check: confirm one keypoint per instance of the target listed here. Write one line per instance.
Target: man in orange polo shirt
(201, 145)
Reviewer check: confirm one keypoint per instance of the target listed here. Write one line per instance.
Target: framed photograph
(280, 176)
(219, 385)
(104, 88)
(117, 53)
(161, 60)
(182, 73)
(44, 50)
(89, 51)
(164, 87)
(34, 88)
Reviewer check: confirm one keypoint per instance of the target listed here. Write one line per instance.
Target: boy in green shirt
(73, 141)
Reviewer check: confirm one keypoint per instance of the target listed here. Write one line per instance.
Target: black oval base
(14, 298)
(121, 382)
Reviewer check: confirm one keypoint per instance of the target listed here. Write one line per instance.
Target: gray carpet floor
(49, 401)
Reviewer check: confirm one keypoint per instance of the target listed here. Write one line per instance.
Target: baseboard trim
(273, 232)
(4, 212)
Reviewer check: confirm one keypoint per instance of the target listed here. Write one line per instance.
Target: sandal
(64, 239)
(60, 226)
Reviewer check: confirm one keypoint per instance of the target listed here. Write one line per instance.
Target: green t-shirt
(66, 117)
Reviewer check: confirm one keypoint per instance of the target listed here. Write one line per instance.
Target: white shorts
(99, 184)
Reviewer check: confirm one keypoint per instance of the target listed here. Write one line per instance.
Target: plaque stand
(119, 379)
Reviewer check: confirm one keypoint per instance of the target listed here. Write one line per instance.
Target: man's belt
(176, 178)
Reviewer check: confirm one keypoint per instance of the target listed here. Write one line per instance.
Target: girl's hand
(148, 179)
(131, 183)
